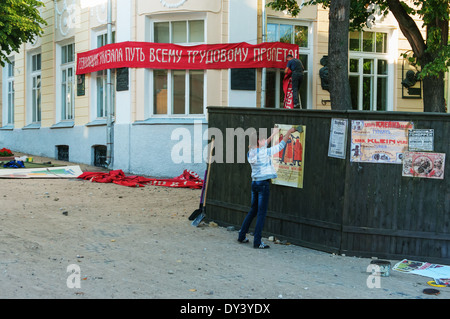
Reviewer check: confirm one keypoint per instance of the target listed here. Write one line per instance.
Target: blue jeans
(260, 199)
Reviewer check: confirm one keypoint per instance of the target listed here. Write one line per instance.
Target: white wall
(121, 155)
(146, 149)
(242, 27)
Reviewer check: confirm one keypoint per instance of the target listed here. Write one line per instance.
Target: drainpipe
(264, 71)
(109, 123)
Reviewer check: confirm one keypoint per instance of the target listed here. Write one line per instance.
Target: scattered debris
(278, 241)
(431, 291)
(438, 283)
(440, 273)
(384, 267)
(42, 172)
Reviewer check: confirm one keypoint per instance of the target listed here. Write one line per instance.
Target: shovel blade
(198, 219)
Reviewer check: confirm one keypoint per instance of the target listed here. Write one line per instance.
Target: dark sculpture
(410, 80)
(323, 73)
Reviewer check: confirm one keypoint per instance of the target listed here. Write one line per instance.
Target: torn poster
(423, 164)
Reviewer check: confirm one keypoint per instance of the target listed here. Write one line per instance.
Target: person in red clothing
(280, 154)
(298, 151)
(289, 152)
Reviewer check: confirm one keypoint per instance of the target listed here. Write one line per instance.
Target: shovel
(200, 217)
(199, 210)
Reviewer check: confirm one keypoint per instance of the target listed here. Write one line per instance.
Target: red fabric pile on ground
(188, 179)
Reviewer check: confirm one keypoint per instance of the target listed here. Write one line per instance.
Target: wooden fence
(344, 207)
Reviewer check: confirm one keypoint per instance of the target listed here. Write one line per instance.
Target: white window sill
(63, 124)
(7, 127)
(172, 120)
(32, 126)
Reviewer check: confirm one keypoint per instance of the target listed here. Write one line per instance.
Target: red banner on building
(176, 57)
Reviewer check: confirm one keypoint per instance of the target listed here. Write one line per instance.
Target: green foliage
(291, 6)
(435, 16)
(358, 9)
(20, 22)
(433, 13)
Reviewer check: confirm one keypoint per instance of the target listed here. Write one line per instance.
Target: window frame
(34, 90)
(99, 113)
(9, 93)
(64, 112)
(361, 56)
(187, 29)
(307, 51)
(171, 74)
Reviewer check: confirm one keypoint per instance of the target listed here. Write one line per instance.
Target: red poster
(176, 57)
(287, 88)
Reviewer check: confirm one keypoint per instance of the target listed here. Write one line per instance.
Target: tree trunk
(434, 86)
(433, 94)
(338, 55)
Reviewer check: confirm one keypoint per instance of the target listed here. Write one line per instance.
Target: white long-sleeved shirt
(260, 160)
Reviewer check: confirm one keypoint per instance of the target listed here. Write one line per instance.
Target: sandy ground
(137, 243)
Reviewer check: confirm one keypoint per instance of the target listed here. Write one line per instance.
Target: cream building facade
(46, 109)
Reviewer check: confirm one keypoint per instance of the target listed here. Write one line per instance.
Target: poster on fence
(424, 165)
(421, 140)
(338, 138)
(379, 141)
(289, 162)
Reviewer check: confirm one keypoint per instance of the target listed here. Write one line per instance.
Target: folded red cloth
(188, 179)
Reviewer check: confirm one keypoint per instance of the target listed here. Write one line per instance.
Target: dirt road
(138, 243)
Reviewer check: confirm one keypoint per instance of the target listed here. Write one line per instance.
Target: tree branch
(408, 27)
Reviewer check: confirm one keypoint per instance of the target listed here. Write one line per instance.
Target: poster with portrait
(379, 141)
(289, 162)
(424, 165)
